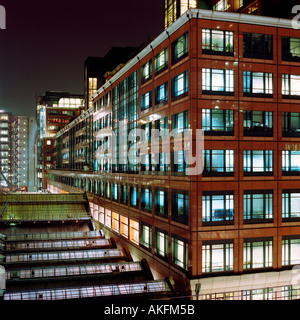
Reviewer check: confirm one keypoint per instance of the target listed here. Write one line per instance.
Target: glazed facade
(237, 78)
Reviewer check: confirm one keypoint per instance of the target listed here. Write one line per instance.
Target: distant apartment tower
(276, 8)
(26, 137)
(8, 151)
(53, 112)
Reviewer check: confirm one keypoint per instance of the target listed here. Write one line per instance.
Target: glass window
(217, 207)
(217, 81)
(146, 101)
(161, 94)
(180, 206)
(258, 45)
(290, 86)
(217, 122)
(161, 202)
(258, 206)
(290, 204)
(124, 226)
(115, 192)
(161, 61)
(179, 252)
(161, 243)
(217, 257)
(180, 85)
(180, 122)
(146, 71)
(217, 42)
(124, 194)
(290, 251)
(258, 84)
(258, 253)
(134, 196)
(180, 48)
(290, 162)
(221, 5)
(134, 231)
(146, 235)
(290, 49)
(146, 199)
(218, 162)
(258, 162)
(258, 123)
(162, 164)
(290, 124)
(178, 165)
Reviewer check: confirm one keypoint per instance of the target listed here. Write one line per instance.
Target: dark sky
(46, 43)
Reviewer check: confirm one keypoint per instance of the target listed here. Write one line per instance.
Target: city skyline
(45, 45)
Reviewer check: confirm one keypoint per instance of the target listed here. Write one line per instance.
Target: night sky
(46, 43)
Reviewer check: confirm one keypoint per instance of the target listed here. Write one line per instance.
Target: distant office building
(26, 138)
(53, 112)
(98, 70)
(272, 8)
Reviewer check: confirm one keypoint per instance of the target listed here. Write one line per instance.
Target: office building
(279, 8)
(54, 111)
(231, 230)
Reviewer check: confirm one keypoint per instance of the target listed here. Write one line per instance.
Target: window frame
(248, 203)
(248, 168)
(248, 84)
(175, 58)
(227, 217)
(226, 35)
(207, 81)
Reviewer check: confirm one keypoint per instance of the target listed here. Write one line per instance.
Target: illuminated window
(258, 84)
(290, 251)
(217, 122)
(290, 162)
(180, 86)
(161, 243)
(290, 124)
(217, 257)
(290, 49)
(290, 86)
(146, 235)
(146, 101)
(108, 218)
(258, 253)
(115, 222)
(146, 71)
(124, 226)
(217, 42)
(217, 208)
(161, 61)
(179, 251)
(161, 202)
(218, 162)
(180, 48)
(134, 231)
(258, 206)
(258, 162)
(217, 81)
(220, 5)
